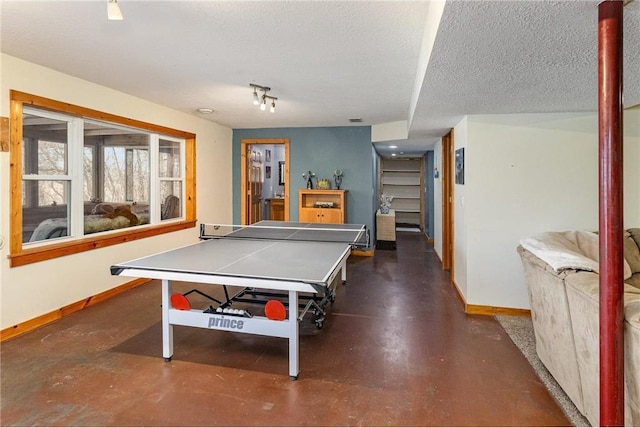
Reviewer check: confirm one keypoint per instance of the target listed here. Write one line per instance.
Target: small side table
(386, 230)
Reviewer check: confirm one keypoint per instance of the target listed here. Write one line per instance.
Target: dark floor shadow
(220, 348)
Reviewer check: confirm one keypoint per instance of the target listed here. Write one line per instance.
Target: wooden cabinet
(322, 206)
(276, 209)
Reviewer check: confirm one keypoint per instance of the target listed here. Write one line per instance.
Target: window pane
(125, 164)
(170, 159)
(44, 146)
(52, 158)
(89, 173)
(52, 192)
(137, 175)
(171, 205)
(50, 218)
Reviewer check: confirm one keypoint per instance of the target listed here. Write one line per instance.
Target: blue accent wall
(321, 150)
(376, 187)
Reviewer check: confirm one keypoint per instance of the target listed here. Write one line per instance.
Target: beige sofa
(561, 270)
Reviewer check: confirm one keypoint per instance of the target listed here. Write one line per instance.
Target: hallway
(396, 350)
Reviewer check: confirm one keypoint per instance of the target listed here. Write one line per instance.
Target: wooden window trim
(19, 256)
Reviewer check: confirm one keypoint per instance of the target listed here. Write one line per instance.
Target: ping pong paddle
(275, 310)
(178, 301)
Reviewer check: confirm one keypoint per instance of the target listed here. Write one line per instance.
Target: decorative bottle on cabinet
(309, 175)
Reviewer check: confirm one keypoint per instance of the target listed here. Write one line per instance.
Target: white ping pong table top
(270, 250)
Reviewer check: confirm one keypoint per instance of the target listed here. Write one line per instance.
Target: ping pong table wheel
(293, 377)
(319, 323)
(167, 359)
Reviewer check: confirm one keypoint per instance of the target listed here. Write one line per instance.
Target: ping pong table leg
(167, 329)
(293, 335)
(344, 272)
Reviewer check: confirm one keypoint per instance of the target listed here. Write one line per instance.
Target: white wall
(36, 289)
(460, 140)
(389, 131)
(525, 174)
(632, 166)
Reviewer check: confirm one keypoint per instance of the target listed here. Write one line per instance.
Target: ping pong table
(285, 257)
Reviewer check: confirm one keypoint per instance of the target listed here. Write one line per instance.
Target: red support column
(611, 213)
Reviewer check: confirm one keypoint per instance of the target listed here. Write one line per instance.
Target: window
(171, 179)
(90, 175)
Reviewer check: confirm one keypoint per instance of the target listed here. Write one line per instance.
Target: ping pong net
(354, 234)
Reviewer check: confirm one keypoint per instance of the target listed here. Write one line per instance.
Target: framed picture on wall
(460, 166)
(267, 155)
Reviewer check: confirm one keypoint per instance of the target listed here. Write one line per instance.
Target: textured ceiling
(328, 62)
(493, 57)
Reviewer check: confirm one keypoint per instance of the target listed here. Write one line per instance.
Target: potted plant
(385, 203)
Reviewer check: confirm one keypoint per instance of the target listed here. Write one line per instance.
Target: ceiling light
(393, 147)
(393, 154)
(263, 97)
(205, 110)
(113, 11)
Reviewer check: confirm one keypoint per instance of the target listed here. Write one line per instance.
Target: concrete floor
(396, 350)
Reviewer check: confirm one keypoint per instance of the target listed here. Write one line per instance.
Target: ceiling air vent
(356, 120)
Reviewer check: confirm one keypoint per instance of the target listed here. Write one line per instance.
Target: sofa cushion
(631, 253)
(583, 298)
(632, 365)
(635, 234)
(634, 282)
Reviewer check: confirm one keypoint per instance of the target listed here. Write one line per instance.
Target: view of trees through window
(109, 164)
(126, 174)
(52, 161)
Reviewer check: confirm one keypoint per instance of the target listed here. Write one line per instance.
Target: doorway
(260, 165)
(447, 202)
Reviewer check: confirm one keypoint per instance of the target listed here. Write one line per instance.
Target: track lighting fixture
(113, 11)
(262, 99)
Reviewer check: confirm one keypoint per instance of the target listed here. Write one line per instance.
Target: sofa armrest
(528, 256)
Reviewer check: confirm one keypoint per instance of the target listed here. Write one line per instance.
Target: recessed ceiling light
(204, 110)
(393, 154)
(393, 147)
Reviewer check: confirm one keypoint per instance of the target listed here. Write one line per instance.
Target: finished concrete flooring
(396, 350)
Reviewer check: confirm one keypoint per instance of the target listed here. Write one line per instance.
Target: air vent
(356, 120)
